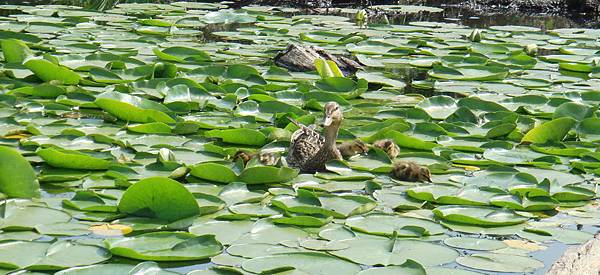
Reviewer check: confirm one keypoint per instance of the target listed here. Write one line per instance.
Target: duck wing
(304, 145)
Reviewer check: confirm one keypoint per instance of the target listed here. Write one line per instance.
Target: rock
(301, 58)
(584, 259)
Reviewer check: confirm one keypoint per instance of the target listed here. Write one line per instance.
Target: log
(301, 58)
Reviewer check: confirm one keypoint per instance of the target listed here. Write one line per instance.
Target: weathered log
(301, 58)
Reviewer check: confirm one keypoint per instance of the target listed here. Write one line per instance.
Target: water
(454, 11)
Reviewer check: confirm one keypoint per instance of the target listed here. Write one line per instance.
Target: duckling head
(389, 146)
(333, 114)
(392, 149)
(424, 174)
(243, 155)
(360, 147)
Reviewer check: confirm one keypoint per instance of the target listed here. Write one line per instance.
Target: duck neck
(331, 133)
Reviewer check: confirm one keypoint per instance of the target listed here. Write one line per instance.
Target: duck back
(304, 145)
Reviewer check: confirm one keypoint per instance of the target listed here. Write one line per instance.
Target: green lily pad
(50, 256)
(554, 130)
(15, 51)
(481, 73)
(69, 159)
(267, 174)
(28, 217)
(161, 198)
(239, 136)
(23, 182)
(48, 71)
(389, 225)
(166, 246)
(116, 269)
(500, 262)
(478, 215)
(133, 108)
(309, 262)
(474, 243)
(395, 252)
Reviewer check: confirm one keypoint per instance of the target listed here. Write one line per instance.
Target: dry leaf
(111, 229)
(525, 245)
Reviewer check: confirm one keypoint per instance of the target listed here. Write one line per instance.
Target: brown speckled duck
(309, 150)
(410, 171)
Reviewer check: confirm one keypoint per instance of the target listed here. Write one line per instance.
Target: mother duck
(309, 150)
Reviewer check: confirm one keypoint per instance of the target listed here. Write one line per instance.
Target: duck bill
(328, 121)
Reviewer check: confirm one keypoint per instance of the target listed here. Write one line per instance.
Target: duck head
(333, 114)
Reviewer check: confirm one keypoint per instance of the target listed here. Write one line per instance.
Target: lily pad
(166, 246)
(500, 262)
(23, 182)
(161, 198)
(309, 262)
(478, 215)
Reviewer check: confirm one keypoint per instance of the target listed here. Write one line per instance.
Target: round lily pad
(166, 246)
(389, 252)
(309, 262)
(478, 215)
(160, 198)
(474, 243)
(388, 225)
(500, 262)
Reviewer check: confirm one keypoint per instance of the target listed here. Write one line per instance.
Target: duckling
(388, 146)
(243, 155)
(268, 159)
(352, 148)
(410, 171)
(264, 158)
(309, 150)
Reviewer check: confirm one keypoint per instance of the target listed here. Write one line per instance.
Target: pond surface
(121, 134)
(454, 11)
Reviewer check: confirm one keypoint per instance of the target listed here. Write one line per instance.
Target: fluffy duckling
(245, 156)
(268, 159)
(410, 171)
(264, 158)
(352, 148)
(388, 146)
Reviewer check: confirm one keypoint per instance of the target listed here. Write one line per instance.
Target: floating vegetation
(120, 134)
